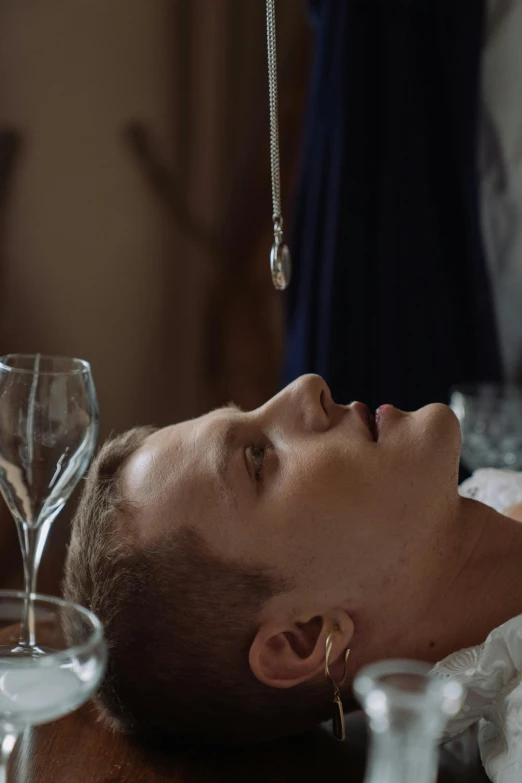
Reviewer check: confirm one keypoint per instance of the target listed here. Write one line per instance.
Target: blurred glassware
(490, 418)
(39, 689)
(48, 430)
(407, 710)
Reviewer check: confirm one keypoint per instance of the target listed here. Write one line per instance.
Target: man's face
(301, 485)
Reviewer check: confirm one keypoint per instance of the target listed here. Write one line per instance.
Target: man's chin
(437, 429)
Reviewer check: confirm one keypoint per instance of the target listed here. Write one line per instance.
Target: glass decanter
(407, 711)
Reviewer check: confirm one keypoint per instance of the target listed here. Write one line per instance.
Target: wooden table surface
(77, 749)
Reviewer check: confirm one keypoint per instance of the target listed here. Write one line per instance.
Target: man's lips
(381, 414)
(374, 422)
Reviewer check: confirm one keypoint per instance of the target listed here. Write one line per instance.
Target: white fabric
(492, 671)
(499, 489)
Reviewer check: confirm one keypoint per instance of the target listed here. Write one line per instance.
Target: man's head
(221, 552)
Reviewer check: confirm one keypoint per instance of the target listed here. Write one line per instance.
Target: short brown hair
(179, 623)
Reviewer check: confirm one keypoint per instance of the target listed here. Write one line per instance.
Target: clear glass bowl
(62, 674)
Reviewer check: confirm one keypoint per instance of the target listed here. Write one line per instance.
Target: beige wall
(82, 253)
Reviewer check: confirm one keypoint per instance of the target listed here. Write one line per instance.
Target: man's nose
(304, 405)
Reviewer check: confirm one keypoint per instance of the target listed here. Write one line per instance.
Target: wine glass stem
(7, 743)
(32, 540)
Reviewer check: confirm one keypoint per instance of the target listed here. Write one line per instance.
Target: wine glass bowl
(48, 429)
(36, 689)
(490, 417)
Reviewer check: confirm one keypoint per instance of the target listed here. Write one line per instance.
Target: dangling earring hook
(338, 712)
(329, 645)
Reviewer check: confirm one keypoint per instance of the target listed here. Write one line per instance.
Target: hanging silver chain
(280, 262)
(274, 120)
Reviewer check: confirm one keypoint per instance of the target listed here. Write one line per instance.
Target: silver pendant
(280, 265)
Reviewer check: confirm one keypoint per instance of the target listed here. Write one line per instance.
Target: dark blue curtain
(390, 300)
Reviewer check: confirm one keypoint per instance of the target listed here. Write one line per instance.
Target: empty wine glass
(48, 429)
(490, 418)
(40, 689)
(407, 710)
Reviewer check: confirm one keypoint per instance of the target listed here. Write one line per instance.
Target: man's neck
(479, 585)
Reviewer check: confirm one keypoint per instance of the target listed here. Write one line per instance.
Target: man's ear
(283, 656)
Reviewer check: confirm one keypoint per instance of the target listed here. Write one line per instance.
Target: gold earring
(338, 712)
